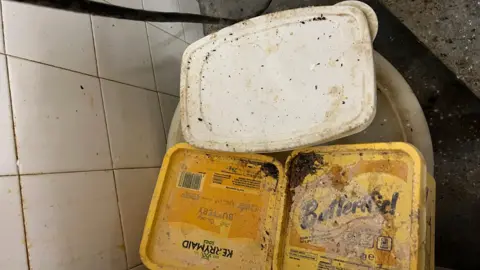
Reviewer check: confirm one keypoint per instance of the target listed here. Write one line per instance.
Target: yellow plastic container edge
(418, 229)
(280, 198)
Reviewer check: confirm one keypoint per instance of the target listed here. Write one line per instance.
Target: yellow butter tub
(214, 210)
(365, 206)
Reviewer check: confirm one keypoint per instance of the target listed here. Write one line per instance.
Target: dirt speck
(319, 18)
(301, 166)
(200, 119)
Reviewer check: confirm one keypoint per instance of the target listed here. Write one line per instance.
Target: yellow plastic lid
(366, 206)
(214, 210)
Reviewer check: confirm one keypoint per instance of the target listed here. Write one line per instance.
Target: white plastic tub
(280, 81)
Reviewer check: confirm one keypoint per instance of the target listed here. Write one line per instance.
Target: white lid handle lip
(368, 12)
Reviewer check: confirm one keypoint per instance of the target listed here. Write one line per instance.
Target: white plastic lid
(280, 81)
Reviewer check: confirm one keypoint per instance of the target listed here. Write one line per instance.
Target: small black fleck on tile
(237, 119)
(302, 22)
(316, 87)
(81, 86)
(343, 102)
(200, 119)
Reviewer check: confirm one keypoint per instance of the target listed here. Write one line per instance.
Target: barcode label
(190, 180)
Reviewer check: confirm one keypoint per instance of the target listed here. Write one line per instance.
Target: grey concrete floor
(449, 29)
(432, 43)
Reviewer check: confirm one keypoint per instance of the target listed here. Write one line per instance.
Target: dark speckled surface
(453, 114)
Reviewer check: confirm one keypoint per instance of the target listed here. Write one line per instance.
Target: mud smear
(302, 165)
(338, 177)
(270, 170)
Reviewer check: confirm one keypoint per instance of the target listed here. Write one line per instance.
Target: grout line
(151, 57)
(2, 21)
(183, 27)
(113, 172)
(94, 47)
(163, 121)
(151, 24)
(84, 171)
(121, 219)
(90, 75)
(8, 175)
(155, 80)
(133, 267)
(7, 71)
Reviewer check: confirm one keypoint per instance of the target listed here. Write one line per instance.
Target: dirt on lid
(302, 165)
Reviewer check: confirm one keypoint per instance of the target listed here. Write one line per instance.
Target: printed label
(207, 250)
(190, 180)
(215, 211)
(352, 217)
(343, 207)
(220, 195)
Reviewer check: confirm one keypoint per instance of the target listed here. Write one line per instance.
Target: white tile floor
(85, 106)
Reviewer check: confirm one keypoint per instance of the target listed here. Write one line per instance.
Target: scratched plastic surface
(280, 81)
(214, 210)
(366, 206)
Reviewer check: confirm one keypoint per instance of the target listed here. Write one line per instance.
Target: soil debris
(270, 170)
(302, 165)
